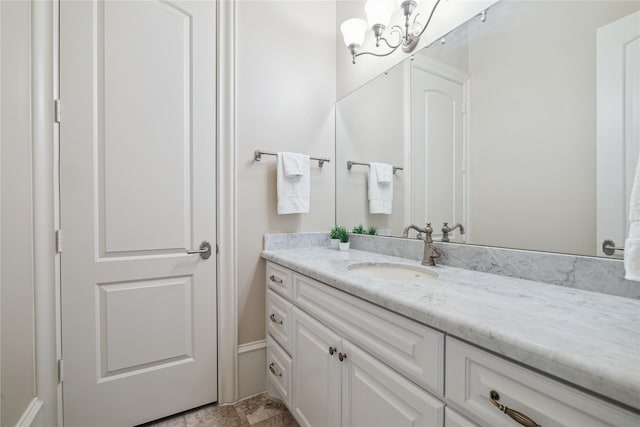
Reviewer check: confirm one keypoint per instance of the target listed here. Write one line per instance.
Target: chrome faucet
(446, 230)
(430, 253)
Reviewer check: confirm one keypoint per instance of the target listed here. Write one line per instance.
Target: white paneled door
(618, 124)
(438, 146)
(138, 182)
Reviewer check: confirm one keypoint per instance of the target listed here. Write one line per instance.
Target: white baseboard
(252, 373)
(31, 416)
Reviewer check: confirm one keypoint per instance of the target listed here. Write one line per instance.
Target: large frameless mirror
(524, 128)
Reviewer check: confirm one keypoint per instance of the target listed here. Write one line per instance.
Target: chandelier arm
(375, 54)
(389, 44)
(435, 6)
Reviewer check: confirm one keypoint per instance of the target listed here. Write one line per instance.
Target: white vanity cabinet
(335, 381)
(337, 360)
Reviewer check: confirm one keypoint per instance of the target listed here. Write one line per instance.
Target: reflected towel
(293, 191)
(384, 172)
(380, 194)
(295, 164)
(632, 244)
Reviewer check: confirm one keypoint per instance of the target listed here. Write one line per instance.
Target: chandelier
(378, 16)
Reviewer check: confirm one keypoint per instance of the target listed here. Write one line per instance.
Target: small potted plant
(344, 238)
(358, 229)
(372, 231)
(335, 237)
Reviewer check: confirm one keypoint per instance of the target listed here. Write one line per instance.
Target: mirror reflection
(524, 128)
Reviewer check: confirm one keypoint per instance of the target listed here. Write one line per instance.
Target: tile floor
(256, 411)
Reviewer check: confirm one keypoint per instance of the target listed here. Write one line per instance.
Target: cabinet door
(375, 395)
(453, 419)
(316, 379)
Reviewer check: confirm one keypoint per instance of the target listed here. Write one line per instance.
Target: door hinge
(58, 241)
(217, 249)
(56, 110)
(60, 370)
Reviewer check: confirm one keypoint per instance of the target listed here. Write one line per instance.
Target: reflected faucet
(446, 230)
(430, 253)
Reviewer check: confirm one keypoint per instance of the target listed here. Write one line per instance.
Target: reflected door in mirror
(438, 146)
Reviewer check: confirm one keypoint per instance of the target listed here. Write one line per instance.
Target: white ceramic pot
(334, 244)
(344, 246)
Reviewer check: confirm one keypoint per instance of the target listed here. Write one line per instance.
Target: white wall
(370, 127)
(17, 276)
(285, 74)
(448, 16)
(533, 124)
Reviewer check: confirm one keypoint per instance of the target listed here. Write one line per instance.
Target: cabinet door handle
(332, 350)
(274, 319)
(273, 370)
(275, 279)
(519, 417)
(342, 356)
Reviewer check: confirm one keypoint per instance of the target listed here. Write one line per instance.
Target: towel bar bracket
(609, 247)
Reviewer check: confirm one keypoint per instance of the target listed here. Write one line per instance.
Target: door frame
(226, 205)
(45, 90)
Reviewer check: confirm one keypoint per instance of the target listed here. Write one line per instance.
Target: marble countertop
(586, 338)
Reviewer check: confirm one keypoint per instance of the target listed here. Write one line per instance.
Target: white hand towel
(380, 194)
(293, 191)
(294, 164)
(632, 244)
(383, 171)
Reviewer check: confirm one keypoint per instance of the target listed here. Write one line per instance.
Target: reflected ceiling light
(378, 16)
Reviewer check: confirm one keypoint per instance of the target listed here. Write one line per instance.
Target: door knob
(204, 251)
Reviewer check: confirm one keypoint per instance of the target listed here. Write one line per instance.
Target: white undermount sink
(392, 271)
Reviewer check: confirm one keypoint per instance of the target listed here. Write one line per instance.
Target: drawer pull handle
(342, 356)
(519, 417)
(332, 350)
(274, 319)
(273, 370)
(275, 279)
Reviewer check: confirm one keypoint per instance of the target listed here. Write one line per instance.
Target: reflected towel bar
(609, 247)
(351, 163)
(257, 156)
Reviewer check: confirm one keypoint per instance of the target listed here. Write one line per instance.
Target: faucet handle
(446, 230)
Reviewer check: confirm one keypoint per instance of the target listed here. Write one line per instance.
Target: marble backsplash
(295, 240)
(587, 273)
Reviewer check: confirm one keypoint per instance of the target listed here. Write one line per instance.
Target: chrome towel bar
(609, 247)
(257, 156)
(350, 163)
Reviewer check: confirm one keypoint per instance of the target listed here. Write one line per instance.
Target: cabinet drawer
(279, 370)
(414, 350)
(279, 279)
(472, 373)
(279, 319)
